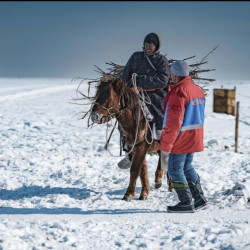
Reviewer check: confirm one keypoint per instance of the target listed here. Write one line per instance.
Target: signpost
(224, 101)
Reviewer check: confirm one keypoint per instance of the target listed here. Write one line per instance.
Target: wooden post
(237, 126)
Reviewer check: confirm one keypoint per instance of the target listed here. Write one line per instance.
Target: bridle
(97, 117)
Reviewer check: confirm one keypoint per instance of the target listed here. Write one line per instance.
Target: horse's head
(107, 101)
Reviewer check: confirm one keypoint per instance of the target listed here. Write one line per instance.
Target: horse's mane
(103, 91)
(128, 98)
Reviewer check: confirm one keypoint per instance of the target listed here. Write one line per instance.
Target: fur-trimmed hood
(153, 37)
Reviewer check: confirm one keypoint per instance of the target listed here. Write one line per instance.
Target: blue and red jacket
(184, 108)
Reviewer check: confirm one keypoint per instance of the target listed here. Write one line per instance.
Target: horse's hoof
(126, 198)
(143, 197)
(158, 185)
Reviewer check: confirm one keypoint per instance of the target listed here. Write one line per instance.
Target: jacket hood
(153, 37)
(185, 79)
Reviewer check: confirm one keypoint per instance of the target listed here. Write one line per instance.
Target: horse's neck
(124, 116)
(127, 122)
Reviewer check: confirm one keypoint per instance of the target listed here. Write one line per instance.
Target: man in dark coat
(153, 73)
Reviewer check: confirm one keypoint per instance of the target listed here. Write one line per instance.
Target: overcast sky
(66, 39)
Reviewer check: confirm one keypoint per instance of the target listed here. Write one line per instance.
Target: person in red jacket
(182, 135)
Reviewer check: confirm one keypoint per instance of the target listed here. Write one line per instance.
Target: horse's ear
(118, 85)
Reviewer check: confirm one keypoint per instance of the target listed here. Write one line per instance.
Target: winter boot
(125, 163)
(197, 193)
(186, 204)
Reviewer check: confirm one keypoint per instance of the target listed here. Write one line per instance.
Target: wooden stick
(189, 58)
(237, 126)
(173, 60)
(201, 70)
(197, 64)
(205, 79)
(107, 143)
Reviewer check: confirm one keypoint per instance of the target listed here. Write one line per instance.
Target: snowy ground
(61, 190)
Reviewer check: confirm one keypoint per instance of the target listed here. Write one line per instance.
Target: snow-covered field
(60, 189)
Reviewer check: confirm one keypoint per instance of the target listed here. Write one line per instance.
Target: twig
(196, 64)
(208, 54)
(205, 79)
(188, 58)
(201, 70)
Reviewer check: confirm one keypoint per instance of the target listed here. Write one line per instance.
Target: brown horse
(113, 99)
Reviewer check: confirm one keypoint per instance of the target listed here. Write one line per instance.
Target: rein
(136, 134)
(142, 102)
(108, 109)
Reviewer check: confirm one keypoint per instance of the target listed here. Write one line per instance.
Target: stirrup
(124, 163)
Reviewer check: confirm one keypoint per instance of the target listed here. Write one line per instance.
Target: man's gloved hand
(130, 82)
(133, 89)
(164, 160)
(131, 86)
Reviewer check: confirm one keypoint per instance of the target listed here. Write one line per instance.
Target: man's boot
(186, 204)
(125, 163)
(197, 193)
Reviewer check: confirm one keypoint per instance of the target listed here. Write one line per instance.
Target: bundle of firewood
(115, 71)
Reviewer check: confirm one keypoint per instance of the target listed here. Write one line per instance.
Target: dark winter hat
(152, 38)
(180, 68)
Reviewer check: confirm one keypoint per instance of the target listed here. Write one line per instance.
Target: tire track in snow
(36, 92)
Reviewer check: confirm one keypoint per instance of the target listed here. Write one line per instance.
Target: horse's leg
(144, 181)
(158, 173)
(135, 170)
(170, 187)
